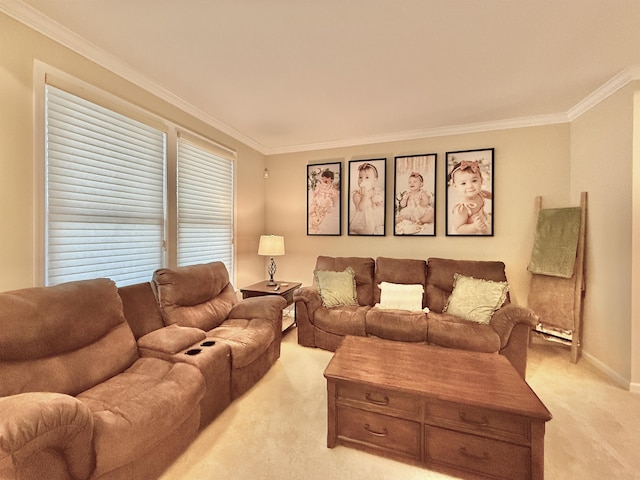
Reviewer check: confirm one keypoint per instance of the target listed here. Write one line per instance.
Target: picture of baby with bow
(323, 199)
(367, 202)
(469, 196)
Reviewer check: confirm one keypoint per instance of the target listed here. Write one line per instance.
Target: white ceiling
(286, 75)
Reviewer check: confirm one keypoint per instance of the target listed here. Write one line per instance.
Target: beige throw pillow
(336, 288)
(475, 299)
(395, 296)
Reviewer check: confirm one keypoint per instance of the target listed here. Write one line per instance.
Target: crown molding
(46, 26)
(610, 87)
(534, 121)
(34, 19)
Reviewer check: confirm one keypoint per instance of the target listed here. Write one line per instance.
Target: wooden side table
(284, 289)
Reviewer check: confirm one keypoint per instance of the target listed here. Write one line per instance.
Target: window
(205, 204)
(106, 207)
(104, 192)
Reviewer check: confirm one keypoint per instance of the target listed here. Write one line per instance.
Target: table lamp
(271, 246)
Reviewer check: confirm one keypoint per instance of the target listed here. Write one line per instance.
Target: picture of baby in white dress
(415, 195)
(323, 199)
(367, 197)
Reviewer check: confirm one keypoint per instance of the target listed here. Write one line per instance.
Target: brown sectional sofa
(507, 332)
(98, 382)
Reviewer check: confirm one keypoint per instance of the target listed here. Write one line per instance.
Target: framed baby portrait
(367, 197)
(324, 199)
(414, 195)
(469, 197)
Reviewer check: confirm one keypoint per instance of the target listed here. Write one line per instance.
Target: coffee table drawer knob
(383, 433)
(483, 422)
(382, 401)
(465, 453)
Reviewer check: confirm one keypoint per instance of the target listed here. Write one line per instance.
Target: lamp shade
(271, 245)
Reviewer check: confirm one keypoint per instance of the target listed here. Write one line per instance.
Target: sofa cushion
(145, 403)
(64, 338)
(400, 271)
(400, 325)
(475, 299)
(171, 339)
(141, 308)
(449, 331)
(342, 320)
(440, 276)
(336, 288)
(195, 296)
(247, 338)
(397, 296)
(363, 268)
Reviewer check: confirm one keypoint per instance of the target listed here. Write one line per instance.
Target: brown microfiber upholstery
(400, 325)
(130, 416)
(195, 296)
(507, 332)
(146, 402)
(453, 332)
(201, 296)
(247, 339)
(45, 428)
(363, 267)
(348, 320)
(440, 276)
(65, 338)
(141, 308)
(171, 339)
(403, 271)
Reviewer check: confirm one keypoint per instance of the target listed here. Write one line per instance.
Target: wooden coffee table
(464, 413)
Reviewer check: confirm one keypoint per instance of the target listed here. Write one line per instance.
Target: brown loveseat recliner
(319, 326)
(199, 302)
(98, 382)
(76, 399)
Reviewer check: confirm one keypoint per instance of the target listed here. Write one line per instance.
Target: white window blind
(104, 192)
(205, 205)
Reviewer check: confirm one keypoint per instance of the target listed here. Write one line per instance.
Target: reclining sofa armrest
(507, 317)
(268, 307)
(169, 340)
(307, 300)
(310, 296)
(40, 430)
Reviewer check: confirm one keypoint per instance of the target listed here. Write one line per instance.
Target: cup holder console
(196, 351)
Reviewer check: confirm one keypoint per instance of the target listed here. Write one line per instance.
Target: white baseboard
(612, 374)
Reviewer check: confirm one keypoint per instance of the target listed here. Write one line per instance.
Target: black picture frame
(414, 195)
(324, 199)
(367, 182)
(470, 212)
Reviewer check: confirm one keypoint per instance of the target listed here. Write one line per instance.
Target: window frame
(43, 74)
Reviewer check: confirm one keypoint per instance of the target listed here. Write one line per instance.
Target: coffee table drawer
(379, 399)
(393, 434)
(476, 454)
(486, 422)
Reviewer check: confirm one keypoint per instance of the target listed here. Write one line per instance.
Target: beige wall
(19, 46)
(528, 162)
(556, 161)
(601, 164)
(635, 249)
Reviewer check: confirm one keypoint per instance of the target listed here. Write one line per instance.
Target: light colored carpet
(277, 430)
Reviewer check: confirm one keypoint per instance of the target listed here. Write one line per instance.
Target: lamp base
(272, 271)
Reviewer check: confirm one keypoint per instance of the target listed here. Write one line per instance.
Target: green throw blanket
(556, 242)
